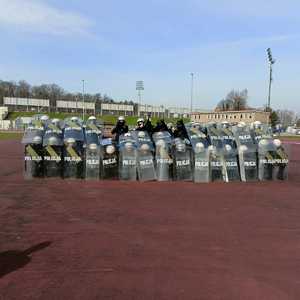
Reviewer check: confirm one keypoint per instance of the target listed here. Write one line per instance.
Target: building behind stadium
(247, 116)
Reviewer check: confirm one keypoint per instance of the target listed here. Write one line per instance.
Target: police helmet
(145, 147)
(141, 134)
(110, 149)
(53, 140)
(93, 146)
(277, 143)
(199, 147)
(37, 140)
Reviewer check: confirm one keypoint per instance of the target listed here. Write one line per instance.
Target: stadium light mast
(271, 63)
(192, 91)
(83, 103)
(140, 88)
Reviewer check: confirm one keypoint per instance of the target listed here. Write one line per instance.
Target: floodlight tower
(140, 88)
(271, 63)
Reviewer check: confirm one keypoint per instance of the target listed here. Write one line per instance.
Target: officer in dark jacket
(180, 131)
(140, 125)
(162, 126)
(120, 128)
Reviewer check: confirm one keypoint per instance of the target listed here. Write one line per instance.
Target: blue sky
(111, 44)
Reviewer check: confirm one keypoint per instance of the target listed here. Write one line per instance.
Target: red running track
(118, 240)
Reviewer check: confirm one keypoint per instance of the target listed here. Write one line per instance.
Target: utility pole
(192, 91)
(83, 103)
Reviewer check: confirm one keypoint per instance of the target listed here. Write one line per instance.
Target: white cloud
(256, 8)
(37, 16)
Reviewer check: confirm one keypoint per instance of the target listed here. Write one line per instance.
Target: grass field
(290, 138)
(10, 135)
(108, 119)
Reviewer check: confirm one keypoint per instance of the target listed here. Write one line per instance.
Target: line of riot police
(192, 152)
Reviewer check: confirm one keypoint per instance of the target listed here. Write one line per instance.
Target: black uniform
(162, 126)
(180, 131)
(121, 128)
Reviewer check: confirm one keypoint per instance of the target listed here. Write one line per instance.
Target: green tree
(274, 118)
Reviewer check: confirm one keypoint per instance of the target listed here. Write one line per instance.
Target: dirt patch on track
(120, 240)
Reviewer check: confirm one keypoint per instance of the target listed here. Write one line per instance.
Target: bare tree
(23, 89)
(235, 100)
(287, 117)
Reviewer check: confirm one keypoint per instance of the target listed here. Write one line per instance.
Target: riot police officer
(140, 125)
(162, 126)
(120, 128)
(180, 131)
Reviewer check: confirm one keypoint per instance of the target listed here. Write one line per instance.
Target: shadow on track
(13, 260)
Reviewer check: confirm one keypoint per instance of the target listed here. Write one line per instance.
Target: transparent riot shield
(182, 160)
(92, 154)
(247, 152)
(259, 132)
(109, 167)
(272, 160)
(127, 157)
(145, 157)
(73, 151)
(230, 153)
(163, 155)
(215, 136)
(53, 151)
(217, 162)
(33, 152)
(200, 143)
(281, 169)
(93, 127)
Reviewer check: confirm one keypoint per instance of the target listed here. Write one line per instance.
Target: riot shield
(217, 162)
(282, 155)
(259, 132)
(53, 151)
(92, 154)
(247, 153)
(33, 152)
(200, 152)
(94, 127)
(230, 153)
(108, 159)
(182, 160)
(145, 161)
(272, 160)
(215, 136)
(163, 155)
(73, 151)
(127, 157)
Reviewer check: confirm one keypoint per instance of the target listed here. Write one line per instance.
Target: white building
(151, 110)
(117, 109)
(75, 106)
(178, 112)
(28, 104)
